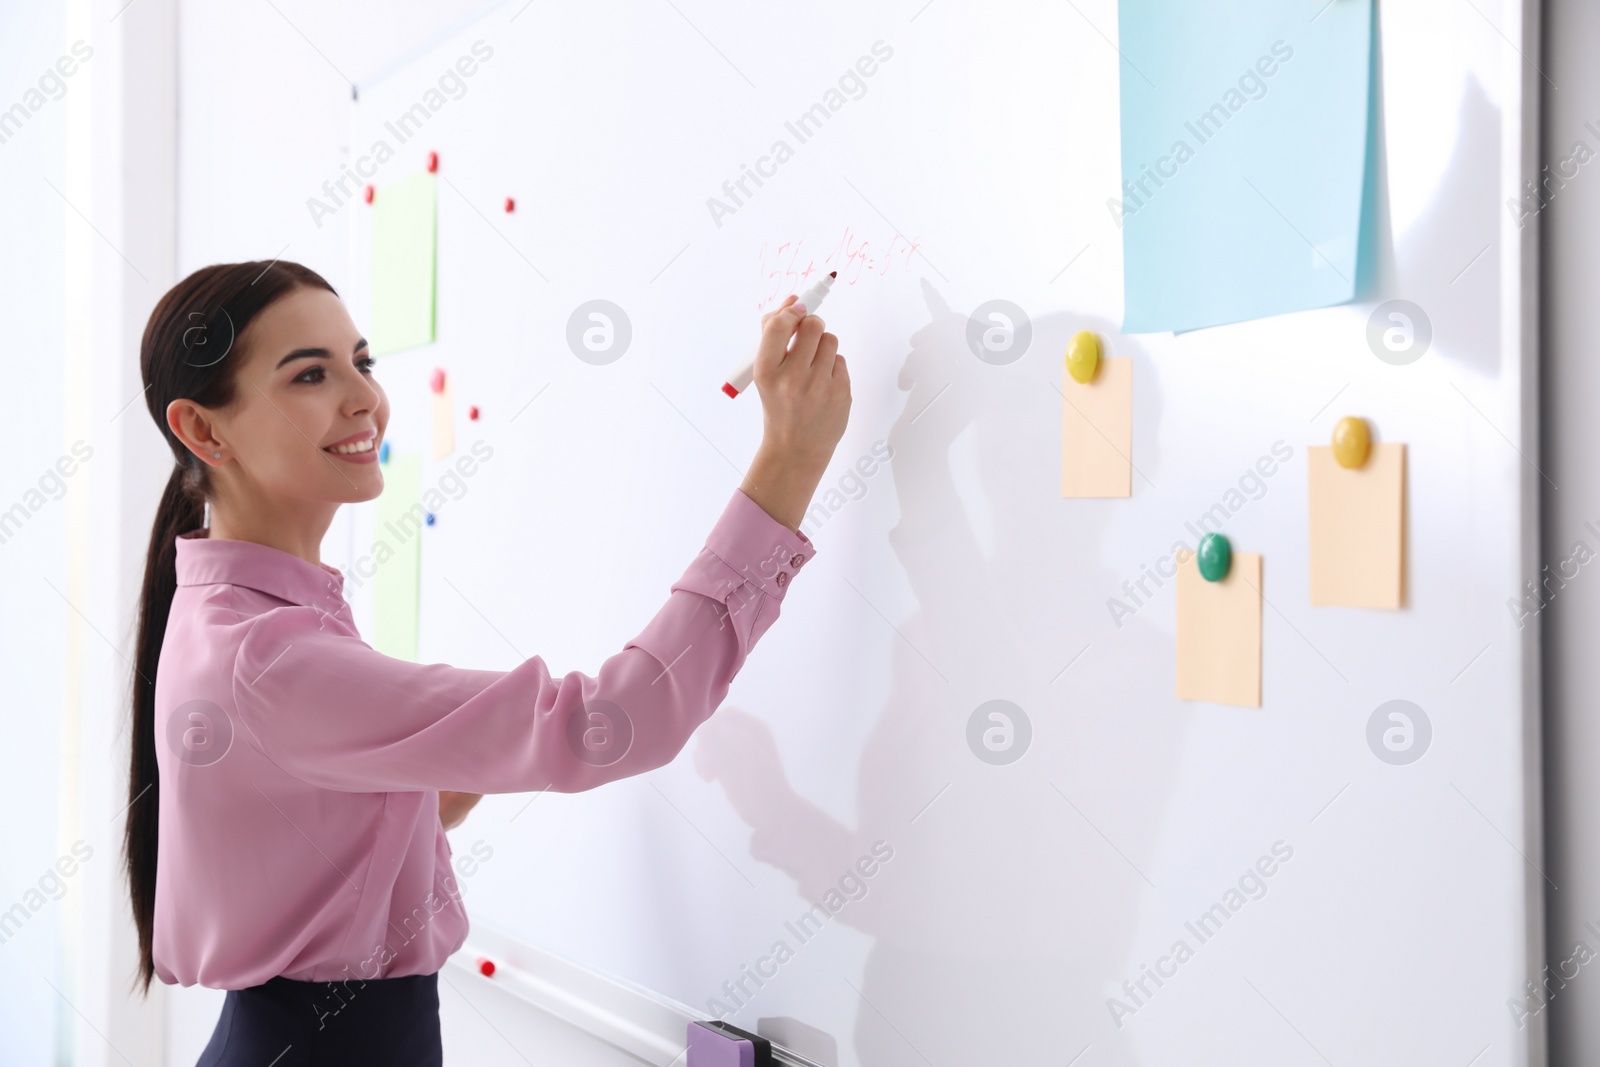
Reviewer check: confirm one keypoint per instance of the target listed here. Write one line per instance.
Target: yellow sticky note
(1357, 528)
(397, 535)
(444, 425)
(404, 261)
(1097, 431)
(1219, 633)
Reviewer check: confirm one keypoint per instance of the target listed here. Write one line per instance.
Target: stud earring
(216, 455)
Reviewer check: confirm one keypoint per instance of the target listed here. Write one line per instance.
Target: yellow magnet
(1083, 356)
(1351, 442)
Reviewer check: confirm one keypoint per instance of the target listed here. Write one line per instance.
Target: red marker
(811, 300)
(369, 194)
(433, 162)
(486, 966)
(511, 205)
(472, 413)
(436, 380)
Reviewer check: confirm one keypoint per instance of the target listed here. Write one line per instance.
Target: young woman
(290, 786)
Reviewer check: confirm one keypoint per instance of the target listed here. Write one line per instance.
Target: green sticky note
(404, 262)
(397, 532)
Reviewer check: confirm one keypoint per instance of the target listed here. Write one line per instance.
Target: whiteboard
(1020, 899)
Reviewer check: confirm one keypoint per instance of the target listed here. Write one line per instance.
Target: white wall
(88, 243)
(33, 435)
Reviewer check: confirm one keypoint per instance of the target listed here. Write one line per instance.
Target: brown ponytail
(190, 351)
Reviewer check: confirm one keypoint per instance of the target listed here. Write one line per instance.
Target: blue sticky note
(1245, 158)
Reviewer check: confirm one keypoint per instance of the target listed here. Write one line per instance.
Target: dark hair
(191, 351)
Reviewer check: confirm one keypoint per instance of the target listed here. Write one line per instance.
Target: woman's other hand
(453, 807)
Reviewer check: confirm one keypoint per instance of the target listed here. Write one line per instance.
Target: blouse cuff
(757, 547)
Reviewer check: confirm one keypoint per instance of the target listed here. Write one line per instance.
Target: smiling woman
(303, 782)
(297, 437)
(270, 437)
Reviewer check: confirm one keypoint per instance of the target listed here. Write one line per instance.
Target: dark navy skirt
(284, 1023)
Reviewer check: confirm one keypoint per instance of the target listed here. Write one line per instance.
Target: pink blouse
(301, 769)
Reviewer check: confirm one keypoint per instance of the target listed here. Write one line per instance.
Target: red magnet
(472, 413)
(511, 205)
(486, 966)
(433, 162)
(370, 191)
(436, 380)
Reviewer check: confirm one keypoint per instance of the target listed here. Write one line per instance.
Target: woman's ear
(193, 425)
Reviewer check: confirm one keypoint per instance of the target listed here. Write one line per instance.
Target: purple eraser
(707, 1048)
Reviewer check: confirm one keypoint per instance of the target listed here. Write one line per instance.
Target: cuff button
(783, 579)
(797, 560)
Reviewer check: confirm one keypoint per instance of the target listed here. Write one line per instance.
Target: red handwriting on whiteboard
(788, 267)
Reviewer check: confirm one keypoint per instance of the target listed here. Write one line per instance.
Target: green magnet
(1214, 556)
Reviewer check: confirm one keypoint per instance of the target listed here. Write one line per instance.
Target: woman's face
(307, 415)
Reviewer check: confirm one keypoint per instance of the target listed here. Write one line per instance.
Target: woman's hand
(805, 398)
(453, 807)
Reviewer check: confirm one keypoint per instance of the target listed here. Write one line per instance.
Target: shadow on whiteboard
(1001, 870)
(1448, 261)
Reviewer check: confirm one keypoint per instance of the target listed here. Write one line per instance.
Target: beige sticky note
(1358, 528)
(1097, 431)
(444, 426)
(1219, 633)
